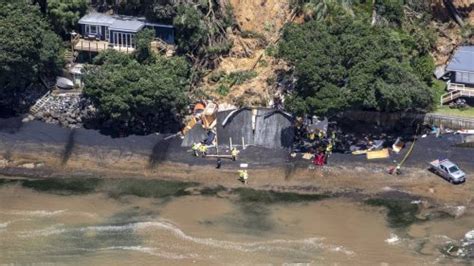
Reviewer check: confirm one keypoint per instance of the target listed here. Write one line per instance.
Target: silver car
(448, 170)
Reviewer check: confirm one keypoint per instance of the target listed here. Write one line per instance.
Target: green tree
(391, 10)
(138, 98)
(322, 9)
(28, 49)
(143, 52)
(64, 14)
(191, 32)
(350, 65)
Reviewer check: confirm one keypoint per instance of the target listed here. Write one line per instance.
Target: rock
(459, 211)
(193, 191)
(28, 165)
(3, 163)
(39, 114)
(28, 118)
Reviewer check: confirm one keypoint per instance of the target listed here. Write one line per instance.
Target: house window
(92, 29)
(107, 34)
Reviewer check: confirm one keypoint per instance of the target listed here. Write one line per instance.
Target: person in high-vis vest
(329, 148)
(321, 134)
(195, 149)
(203, 150)
(234, 152)
(243, 176)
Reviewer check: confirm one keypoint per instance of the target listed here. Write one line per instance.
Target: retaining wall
(389, 119)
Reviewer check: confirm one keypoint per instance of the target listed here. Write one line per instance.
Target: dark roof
(125, 23)
(462, 60)
(95, 18)
(119, 22)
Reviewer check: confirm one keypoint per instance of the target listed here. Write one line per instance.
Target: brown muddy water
(122, 223)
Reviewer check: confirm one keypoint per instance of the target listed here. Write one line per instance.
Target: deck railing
(455, 91)
(97, 46)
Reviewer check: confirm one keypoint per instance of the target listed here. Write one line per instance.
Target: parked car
(448, 170)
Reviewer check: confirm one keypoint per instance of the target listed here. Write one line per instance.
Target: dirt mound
(260, 22)
(262, 16)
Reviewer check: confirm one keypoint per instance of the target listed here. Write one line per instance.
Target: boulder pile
(67, 110)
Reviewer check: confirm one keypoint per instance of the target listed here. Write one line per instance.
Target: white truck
(448, 170)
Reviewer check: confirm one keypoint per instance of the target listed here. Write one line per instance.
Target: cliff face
(466, 8)
(450, 34)
(260, 22)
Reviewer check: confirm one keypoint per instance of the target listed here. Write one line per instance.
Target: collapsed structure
(262, 127)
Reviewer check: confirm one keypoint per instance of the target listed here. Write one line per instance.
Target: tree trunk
(453, 12)
(374, 13)
(43, 4)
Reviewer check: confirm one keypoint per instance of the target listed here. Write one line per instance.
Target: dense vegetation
(346, 54)
(344, 62)
(28, 49)
(200, 26)
(135, 97)
(64, 15)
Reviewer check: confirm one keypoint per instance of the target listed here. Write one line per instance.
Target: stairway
(450, 96)
(456, 91)
(69, 56)
(40, 103)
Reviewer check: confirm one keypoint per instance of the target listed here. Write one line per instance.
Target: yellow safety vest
(321, 134)
(329, 147)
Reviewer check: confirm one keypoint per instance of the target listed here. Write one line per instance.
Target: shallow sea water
(97, 229)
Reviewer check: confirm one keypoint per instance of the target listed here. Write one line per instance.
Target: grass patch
(147, 188)
(445, 110)
(223, 90)
(439, 88)
(6, 181)
(216, 76)
(401, 212)
(211, 191)
(239, 77)
(263, 196)
(63, 185)
(248, 34)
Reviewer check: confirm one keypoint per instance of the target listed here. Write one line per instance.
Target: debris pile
(68, 110)
(200, 125)
(464, 248)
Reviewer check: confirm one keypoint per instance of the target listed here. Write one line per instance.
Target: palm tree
(320, 9)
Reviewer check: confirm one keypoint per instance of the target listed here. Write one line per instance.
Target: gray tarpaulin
(273, 129)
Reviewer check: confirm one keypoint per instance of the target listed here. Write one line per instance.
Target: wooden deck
(456, 91)
(97, 46)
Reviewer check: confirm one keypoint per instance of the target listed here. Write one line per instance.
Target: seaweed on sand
(401, 212)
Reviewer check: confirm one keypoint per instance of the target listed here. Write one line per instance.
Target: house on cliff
(460, 72)
(100, 31)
